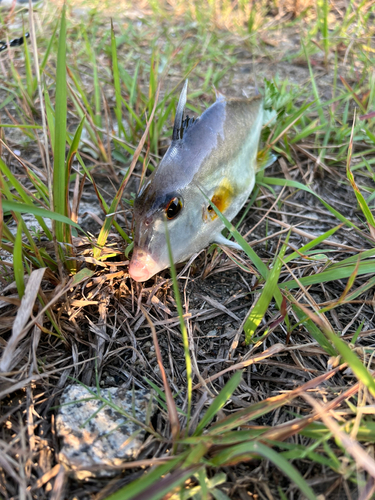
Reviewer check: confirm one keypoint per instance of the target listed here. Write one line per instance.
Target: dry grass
(298, 389)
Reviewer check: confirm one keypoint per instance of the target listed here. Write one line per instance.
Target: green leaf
(102, 238)
(314, 331)
(348, 355)
(23, 208)
(28, 70)
(331, 274)
(248, 450)
(219, 495)
(259, 264)
(60, 181)
(116, 81)
(220, 400)
(303, 250)
(74, 147)
(17, 262)
(48, 51)
(22, 193)
(82, 275)
(50, 113)
(146, 481)
(196, 453)
(185, 339)
(260, 308)
(353, 361)
(361, 201)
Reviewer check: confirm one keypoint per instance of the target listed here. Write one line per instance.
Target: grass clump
(269, 391)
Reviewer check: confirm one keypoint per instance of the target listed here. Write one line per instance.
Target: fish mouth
(142, 266)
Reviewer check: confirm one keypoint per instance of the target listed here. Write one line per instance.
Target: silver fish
(216, 155)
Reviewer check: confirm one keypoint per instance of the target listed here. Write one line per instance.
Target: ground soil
(212, 281)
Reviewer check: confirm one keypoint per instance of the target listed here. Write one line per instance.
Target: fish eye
(174, 207)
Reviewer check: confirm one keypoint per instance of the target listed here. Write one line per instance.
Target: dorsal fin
(219, 95)
(187, 123)
(179, 113)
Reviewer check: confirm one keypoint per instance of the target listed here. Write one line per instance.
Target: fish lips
(142, 266)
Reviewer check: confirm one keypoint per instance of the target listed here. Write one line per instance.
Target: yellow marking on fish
(264, 159)
(221, 198)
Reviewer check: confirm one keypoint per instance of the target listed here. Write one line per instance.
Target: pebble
(94, 436)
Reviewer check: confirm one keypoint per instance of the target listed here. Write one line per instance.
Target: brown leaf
(23, 314)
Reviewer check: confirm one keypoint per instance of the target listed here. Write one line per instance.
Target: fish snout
(142, 266)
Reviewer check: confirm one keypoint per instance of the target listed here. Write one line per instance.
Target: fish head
(160, 210)
(201, 165)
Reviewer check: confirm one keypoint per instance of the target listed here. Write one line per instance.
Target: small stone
(156, 370)
(93, 435)
(212, 333)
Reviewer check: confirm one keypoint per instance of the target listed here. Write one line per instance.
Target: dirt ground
(110, 333)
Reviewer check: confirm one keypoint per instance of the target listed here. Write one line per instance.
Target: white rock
(105, 437)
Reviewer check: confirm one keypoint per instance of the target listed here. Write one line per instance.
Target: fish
(212, 157)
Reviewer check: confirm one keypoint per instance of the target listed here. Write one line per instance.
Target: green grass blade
(60, 185)
(259, 264)
(28, 70)
(314, 87)
(130, 491)
(361, 200)
(103, 202)
(325, 31)
(133, 114)
(102, 238)
(97, 98)
(362, 256)
(344, 350)
(361, 289)
(197, 452)
(85, 105)
(260, 308)
(185, 339)
(311, 244)
(297, 185)
(248, 450)
(74, 147)
(117, 85)
(24, 208)
(39, 186)
(314, 331)
(4, 169)
(242, 417)
(311, 129)
(134, 80)
(219, 402)
(50, 114)
(8, 206)
(331, 274)
(48, 50)
(353, 94)
(18, 263)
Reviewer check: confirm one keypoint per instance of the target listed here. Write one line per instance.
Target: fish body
(214, 156)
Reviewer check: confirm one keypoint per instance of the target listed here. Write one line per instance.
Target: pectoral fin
(221, 240)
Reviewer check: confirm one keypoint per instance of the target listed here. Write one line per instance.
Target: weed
(298, 403)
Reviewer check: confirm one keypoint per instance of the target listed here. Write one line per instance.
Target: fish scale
(214, 156)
